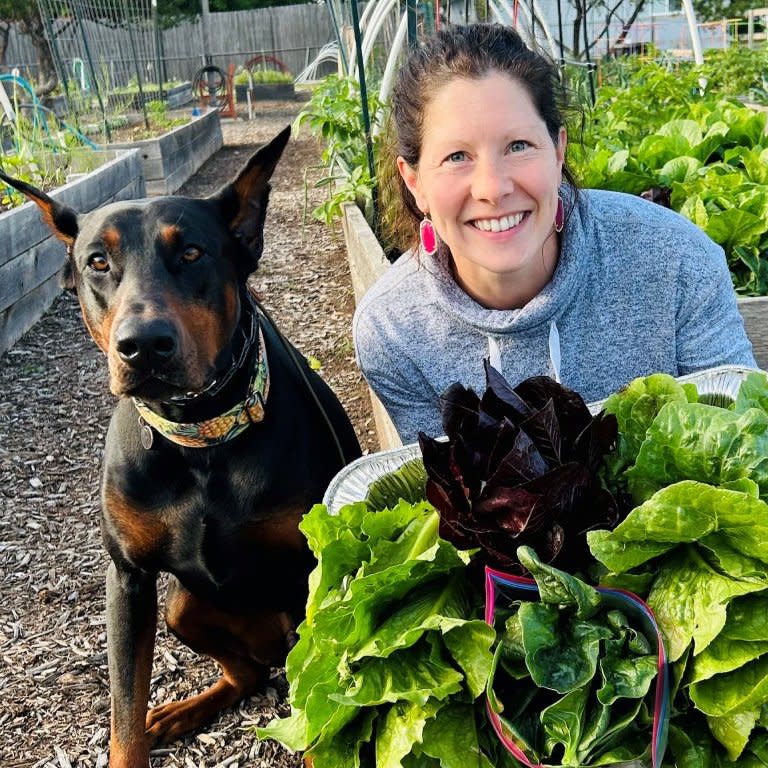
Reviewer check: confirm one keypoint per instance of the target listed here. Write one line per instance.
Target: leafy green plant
(393, 653)
(333, 114)
(696, 547)
(41, 152)
(262, 76)
(705, 154)
(573, 673)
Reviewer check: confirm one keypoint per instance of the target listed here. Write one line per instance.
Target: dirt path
(54, 409)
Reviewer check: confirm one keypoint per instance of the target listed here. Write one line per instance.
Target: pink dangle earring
(428, 236)
(559, 215)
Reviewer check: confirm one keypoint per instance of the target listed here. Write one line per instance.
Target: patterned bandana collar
(218, 430)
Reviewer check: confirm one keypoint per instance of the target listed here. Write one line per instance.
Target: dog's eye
(191, 253)
(98, 262)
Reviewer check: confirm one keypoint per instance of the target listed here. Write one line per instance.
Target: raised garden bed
(169, 160)
(174, 96)
(367, 263)
(31, 258)
(266, 92)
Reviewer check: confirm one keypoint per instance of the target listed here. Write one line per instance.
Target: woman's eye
(191, 254)
(518, 146)
(456, 157)
(98, 262)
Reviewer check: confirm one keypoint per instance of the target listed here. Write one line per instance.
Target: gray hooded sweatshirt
(637, 289)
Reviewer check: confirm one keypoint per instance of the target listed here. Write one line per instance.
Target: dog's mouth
(157, 386)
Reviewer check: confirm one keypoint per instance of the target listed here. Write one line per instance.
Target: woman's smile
(500, 224)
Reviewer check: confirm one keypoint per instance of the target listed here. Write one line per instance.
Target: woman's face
(488, 176)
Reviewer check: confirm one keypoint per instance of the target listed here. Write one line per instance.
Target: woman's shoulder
(620, 210)
(399, 284)
(638, 226)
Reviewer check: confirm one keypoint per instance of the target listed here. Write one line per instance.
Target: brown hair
(470, 52)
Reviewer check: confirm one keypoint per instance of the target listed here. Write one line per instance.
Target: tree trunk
(5, 31)
(47, 79)
(576, 47)
(627, 25)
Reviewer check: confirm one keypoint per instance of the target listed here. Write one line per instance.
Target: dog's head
(159, 280)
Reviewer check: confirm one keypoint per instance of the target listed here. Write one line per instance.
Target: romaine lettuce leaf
(684, 512)
(416, 674)
(733, 731)
(723, 655)
(343, 750)
(452, 738)
(746, 688)
(691, 441)
(400, 729)
(753, 392)
(689, 600)
(388, 626)
(635, 407)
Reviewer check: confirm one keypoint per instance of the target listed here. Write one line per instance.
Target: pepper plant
(333, 114)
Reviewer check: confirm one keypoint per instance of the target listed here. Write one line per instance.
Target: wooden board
(754, 310)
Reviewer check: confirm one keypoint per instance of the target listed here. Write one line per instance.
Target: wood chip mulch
(54, 411)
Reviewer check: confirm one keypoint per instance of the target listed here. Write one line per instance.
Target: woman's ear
(411, 178)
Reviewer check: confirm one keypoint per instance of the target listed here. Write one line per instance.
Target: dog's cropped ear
(243, 202)
(61, 219)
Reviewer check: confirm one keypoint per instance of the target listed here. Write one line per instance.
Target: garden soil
(54, 411)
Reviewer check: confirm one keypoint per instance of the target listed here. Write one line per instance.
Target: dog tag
(147, 436)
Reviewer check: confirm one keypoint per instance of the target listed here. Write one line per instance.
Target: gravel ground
(54, 410)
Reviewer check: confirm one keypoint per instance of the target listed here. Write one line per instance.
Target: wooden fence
(293, 33)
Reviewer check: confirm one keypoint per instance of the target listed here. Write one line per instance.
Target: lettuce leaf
(635, 407)
(389, 642)
(727, 446)
(753, 392)
(742, 690)
(685, 523)
(682, 513)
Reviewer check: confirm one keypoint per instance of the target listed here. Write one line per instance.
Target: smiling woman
(507, 259)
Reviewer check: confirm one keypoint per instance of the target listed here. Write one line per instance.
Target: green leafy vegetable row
(700, 153)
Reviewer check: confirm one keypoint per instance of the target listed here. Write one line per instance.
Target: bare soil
(54, 410)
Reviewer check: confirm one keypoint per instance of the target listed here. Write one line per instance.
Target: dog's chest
(179, 519)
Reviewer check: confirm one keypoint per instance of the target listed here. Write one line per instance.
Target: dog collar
(220, 429)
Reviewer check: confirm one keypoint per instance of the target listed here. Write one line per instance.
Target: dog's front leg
(131, 625)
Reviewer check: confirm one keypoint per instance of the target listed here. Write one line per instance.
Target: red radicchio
(519, 468)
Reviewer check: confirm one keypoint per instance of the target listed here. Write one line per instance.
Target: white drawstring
(494, 354)
(554, 350)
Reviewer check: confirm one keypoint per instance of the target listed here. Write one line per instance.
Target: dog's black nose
(146, 344)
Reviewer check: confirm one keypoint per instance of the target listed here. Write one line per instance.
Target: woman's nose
(489, 181)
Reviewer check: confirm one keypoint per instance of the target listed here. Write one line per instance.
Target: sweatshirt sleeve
(710, 329)
(398, 383)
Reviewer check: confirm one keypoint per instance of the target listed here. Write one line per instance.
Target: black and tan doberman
(222, 438)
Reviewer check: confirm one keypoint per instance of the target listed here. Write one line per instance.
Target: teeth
(498, 225)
